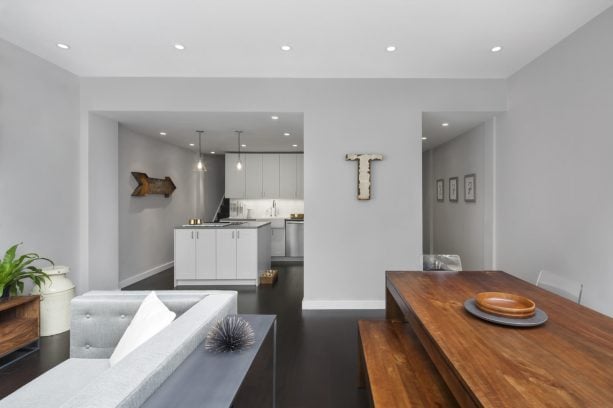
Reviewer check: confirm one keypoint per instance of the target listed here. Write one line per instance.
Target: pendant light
(200, 166)
(239, 165)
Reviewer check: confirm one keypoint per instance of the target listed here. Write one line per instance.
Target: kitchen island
(224, 253)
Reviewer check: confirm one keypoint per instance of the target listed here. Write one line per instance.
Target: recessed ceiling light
(444, 124)
(191, 144)
(287, 134)
(286, 48)
(424, 138)
(63, 46)
(162, 133)
(212, 152)
(497, 48)
(243, 145)
(391, 48)
(179, 47)
(294, 145)
(274, 117)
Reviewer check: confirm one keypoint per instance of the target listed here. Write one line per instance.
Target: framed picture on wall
(470, 188)
(440, 190)
(453, 189)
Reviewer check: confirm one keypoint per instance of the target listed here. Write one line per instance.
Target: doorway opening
(458, 186)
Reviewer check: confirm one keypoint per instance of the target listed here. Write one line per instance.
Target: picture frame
(470, 188)
(440, 190)
(453, 189)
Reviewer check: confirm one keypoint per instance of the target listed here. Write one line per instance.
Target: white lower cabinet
(195, 254)
(277, 242)
(185, 254)
(206, 256)
(226, 254)
(246, 254)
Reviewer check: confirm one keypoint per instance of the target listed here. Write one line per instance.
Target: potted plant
(15, 270)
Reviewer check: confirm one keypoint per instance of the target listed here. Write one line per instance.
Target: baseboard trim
(216, 282)
(143, 275)
(342, 304)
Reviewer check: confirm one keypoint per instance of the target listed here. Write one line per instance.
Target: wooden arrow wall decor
(148, 185)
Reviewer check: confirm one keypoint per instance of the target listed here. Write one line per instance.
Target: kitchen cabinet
(246, 254)
(185, 254)
(222, 255)
(195, 254)
(235, 179)
(300, 176)
(270, 175)
(265, 175)
(277, 242)
(253, 176)
(287, 175)
(226, 254)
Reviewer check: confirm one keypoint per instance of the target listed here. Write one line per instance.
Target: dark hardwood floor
(316, 350)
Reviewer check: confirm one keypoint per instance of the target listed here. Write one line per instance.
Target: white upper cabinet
(253, 176)
(270, 175)
(300, 176)
(287, 176)
(265, 175)
(235, 179)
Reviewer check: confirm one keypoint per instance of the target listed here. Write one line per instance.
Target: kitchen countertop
(244, 225)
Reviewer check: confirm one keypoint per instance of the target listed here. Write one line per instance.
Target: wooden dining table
(566, 362)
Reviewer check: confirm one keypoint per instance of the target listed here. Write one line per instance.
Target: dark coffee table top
(208, 379)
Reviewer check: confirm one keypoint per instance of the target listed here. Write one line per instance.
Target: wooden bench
(396, 369)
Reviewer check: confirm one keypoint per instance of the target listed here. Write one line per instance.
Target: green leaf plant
(15, 270)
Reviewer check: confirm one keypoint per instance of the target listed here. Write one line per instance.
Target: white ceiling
(261, 133)
(459, 123)
(330, 38)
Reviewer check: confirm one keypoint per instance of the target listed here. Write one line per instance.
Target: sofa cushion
(139, 374)
(151, 318)
(57, 385)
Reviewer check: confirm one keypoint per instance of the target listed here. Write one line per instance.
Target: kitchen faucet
(273, 213)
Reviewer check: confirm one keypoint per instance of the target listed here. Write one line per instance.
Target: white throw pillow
(152, 316)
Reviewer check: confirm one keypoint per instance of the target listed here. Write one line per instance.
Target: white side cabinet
(247, 254)
(218, 256)
(195, 254)
(185, 254)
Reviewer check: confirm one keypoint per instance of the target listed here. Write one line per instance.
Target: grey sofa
(98, 321)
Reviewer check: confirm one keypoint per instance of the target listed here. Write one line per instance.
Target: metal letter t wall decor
(364, 177)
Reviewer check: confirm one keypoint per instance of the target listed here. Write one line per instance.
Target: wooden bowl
(505, 304)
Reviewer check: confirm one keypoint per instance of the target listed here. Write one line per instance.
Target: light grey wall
(102, 230)
(39, 139)
(554, 165)
(348, 244)
(428, 194)
(464, 228)
(146, 223)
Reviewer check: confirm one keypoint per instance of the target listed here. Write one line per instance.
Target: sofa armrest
(99, 319)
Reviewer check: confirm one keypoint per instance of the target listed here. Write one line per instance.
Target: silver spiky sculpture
(232, 333)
